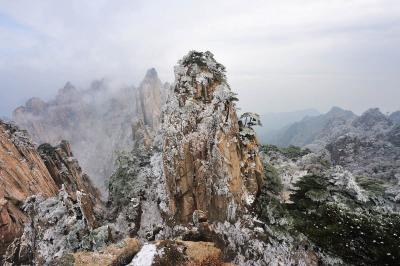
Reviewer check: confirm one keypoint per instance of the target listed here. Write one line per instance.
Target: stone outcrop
(65, 169)
(208, 164)
(22, 173)
(150, 97)
(179, 253)
(113, 255)
(96, 121)
(67, 174)
(26, 171)
(54, 226)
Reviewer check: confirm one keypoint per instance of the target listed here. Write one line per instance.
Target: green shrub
(273, 181)
(372, 185)
(291, 152)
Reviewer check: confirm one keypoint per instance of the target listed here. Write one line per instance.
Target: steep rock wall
(25, 171)
(205, 161)
(22, 173)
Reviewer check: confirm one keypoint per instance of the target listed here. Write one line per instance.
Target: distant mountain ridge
(366, 144)
(272, 122)
(316, 132)
(395, 117)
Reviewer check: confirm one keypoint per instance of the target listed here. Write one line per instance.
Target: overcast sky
(280, 55)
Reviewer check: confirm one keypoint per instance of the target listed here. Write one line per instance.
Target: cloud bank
(280, 55)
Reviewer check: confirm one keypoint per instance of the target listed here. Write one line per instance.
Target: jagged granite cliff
(198, 180)
(96, 121)
(26, 171)
(211, 163)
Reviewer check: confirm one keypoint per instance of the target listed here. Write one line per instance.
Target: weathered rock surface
(22, 173)
(208, 166)
(113, 255)
(25, 171)
(179, 253)
(96, 121)
(55, 226)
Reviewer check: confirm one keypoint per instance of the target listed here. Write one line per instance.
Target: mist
(280, 55)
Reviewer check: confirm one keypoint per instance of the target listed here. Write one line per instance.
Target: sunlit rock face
(207, 164)
(22, 173)
(26, 171)
(96, 121)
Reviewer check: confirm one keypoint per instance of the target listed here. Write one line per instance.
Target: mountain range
(96, 121)
(315, 132)
(273, 122)
(186, 182)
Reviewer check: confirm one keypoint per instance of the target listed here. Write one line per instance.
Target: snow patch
(145, 256)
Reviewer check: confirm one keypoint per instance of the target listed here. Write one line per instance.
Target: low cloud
(280, 55)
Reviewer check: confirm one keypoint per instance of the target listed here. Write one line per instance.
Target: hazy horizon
(280, 56)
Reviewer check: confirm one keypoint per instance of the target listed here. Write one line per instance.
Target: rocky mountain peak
(67, 89)
(335, 109)
(98, 85)
(36, 105)
(150, 98)
(197, 76)
(395, 117)
(26, 171)
(211, 164)
(371, 118)
(151, 74)
(339, 112)
(67, 94)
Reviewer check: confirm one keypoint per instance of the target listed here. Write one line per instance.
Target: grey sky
(280, 55)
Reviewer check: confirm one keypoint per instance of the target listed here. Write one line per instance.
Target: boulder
(112, 255)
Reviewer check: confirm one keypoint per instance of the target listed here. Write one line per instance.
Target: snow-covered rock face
(25, 171)
(366, 145)
(371, 119)
(207, 166)
(146, 256)
(55, 226)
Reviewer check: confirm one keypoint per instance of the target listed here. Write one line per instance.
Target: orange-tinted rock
(113, 255)
(65, 171)
(207, 167)
(24, 172)
(180, 253)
